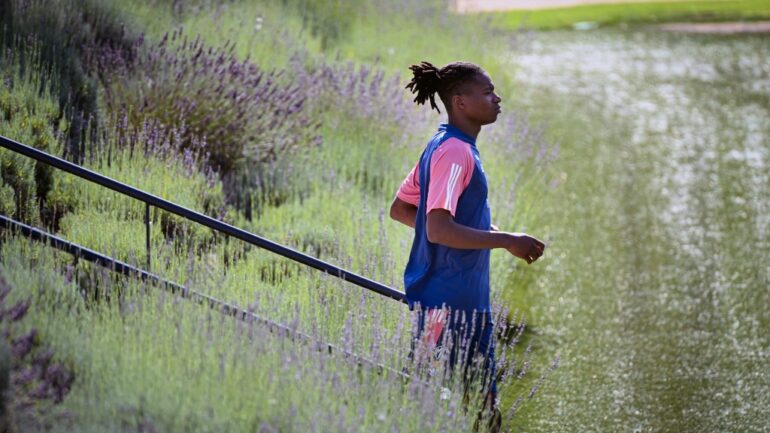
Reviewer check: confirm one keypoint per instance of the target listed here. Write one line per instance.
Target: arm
(404, 206)
(442, 229)
(403, 212)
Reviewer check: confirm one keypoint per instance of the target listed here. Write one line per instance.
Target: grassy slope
(634, 14)
(341, 211)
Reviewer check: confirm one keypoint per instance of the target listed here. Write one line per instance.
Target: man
(444, 198)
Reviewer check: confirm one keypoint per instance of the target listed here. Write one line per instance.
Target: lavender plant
(250, 118)
(32, 383)
(368, 120)
(28, 114)
(362, 92)
(148, 158)
(521, 170)
(68, 33)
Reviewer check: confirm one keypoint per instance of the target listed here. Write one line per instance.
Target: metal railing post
(147, 233)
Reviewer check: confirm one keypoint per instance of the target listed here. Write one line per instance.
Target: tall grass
(145, 359)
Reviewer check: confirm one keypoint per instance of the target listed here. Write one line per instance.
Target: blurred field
(633, 14)
(656, 289)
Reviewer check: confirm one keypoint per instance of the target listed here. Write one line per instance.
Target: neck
(469, 128)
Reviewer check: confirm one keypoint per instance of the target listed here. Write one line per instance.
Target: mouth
(498, 109)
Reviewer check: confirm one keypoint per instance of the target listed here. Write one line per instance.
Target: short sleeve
(409, 191)
(451, 170)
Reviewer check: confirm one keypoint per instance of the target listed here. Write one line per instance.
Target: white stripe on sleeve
(453, 176)
(452, 173)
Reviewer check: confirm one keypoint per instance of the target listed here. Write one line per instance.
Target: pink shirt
(451, 170)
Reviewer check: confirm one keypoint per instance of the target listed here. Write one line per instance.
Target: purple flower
(26, 375)
(23, 345)
(19, 310)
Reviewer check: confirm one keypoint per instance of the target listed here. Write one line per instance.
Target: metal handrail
(153, 200)
(228, 309)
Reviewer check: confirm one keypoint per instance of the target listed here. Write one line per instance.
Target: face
(478, 101)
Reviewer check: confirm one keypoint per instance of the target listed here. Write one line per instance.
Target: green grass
(633, 14)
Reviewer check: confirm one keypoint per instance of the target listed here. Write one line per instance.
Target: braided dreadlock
(429, 80)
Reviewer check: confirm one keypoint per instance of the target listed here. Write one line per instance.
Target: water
(656, 285)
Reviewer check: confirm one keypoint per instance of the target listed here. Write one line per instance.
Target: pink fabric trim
(451, 170)
(409, 191)
(434, 325)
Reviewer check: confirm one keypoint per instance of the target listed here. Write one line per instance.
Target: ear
(458, 102)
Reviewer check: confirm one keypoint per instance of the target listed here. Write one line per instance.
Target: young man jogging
(444, 198)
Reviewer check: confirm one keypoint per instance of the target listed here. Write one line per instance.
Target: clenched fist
(525, 247)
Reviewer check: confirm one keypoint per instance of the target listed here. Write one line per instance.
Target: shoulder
(453, 156)
(455, 145)
(455, 149)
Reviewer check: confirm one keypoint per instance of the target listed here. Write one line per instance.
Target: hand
(526, 247)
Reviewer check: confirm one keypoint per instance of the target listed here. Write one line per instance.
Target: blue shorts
(472, 343)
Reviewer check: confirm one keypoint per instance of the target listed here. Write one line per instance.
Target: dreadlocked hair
(429, 80)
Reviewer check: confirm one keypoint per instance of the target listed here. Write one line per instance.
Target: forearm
(447, 232)
(403, 212)
(406, 216)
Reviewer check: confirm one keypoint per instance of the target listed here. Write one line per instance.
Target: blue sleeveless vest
(437, 275)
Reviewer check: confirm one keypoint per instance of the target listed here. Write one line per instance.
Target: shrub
(369, 120)
(31, 382)
(68, 33)
(148, 158)
(28, 114)
(250, 118)
(362, 92)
